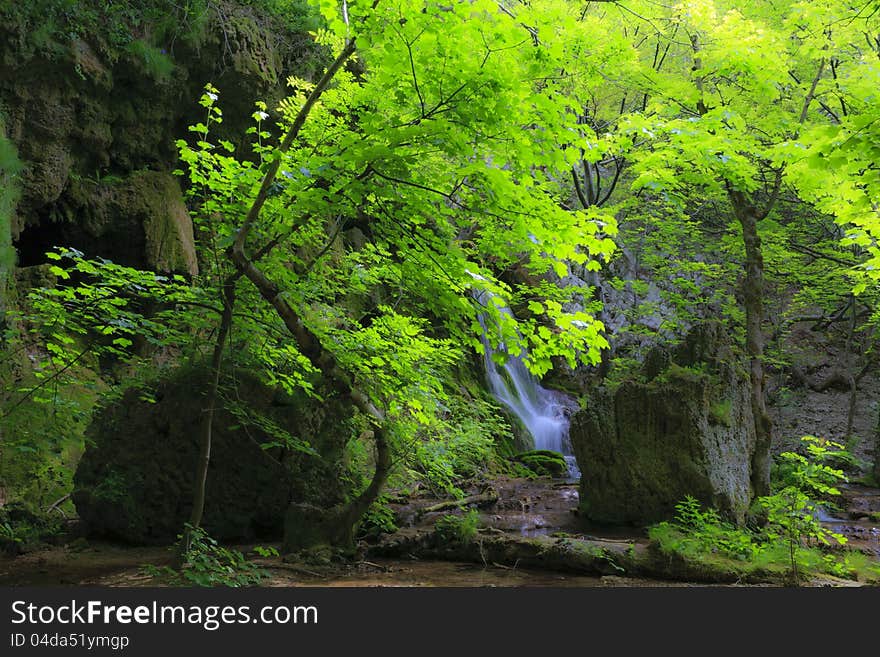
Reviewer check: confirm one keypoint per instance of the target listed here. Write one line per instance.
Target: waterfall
(544, 413)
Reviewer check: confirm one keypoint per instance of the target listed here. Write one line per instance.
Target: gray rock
(687, 429)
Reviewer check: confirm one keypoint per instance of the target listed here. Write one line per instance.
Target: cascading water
(545, 413)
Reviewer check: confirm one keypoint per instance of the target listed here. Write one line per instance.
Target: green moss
(694, 555)
(680, 556)
(153, 61)
(692, 373)
(543, 462)
(719, 413)
(49, 27)
(460, 529)
(43, 436)
(10, 166)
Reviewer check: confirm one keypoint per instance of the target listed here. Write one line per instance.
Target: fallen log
(576, 555)
(483, 499)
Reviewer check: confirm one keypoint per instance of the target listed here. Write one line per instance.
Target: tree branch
(288, 140)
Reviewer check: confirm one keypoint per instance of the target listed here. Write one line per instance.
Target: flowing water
(544, 413)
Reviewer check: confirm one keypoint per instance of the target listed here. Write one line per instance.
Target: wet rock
(83, 110)
(687, 430)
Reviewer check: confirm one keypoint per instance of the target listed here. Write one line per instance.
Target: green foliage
(458, 529)
(696, 531)
(461, 445)
(24, 530)
(298, 15)
(379, 519)
(154, 61)
(422, 190)
(207, 563)
(792, 511)
(277, 435)
(757, 104)
(42, 424)
(10, 167)
(417, 151)
(266, 552)
(792, 537)
(48, 26)
(810, 472)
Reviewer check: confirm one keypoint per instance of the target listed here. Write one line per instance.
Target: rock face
(685, 427)
(134, 482)
(94, 117)
(143, 215)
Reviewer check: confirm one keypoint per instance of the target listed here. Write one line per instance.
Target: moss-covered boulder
(543, 462)
(684, 427)
(135, 481)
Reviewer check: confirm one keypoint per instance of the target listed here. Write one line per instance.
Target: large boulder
(135, 480)
(683, 427)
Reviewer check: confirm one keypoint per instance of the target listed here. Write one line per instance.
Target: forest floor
(516, 516)
(103, 564)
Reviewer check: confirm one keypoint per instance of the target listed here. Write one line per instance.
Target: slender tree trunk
(877, 455)
(204, 460)
(753, 302)
(338, 527)
(853, 380)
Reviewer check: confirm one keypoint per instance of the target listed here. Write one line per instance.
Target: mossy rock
(543, 462)
(688, 430)
(135, 481)
(305, 528)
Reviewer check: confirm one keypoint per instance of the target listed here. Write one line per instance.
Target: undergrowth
(458, 529)
(207, 563)
(792, 543)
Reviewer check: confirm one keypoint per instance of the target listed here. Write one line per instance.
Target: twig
(56, 503)
(44, 382)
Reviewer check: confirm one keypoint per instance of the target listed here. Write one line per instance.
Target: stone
(645, 445)
(45, 178)
(543, 462)
(305, 527)
(141, 221)
(170, 246)
(135, 480)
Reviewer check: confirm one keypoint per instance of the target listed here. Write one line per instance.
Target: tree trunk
(306, 526)
(753, 302)
(877, 456)
(853, 381)
(201, 478)
(342, 526)
(337, 527)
